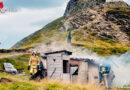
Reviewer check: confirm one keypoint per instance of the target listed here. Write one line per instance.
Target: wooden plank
(83, 72)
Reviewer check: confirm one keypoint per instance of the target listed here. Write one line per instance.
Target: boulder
(9, 68)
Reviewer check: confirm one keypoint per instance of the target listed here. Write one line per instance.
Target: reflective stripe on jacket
(34, 61)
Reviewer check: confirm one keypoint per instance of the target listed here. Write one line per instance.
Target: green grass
(99, 45)
(123, 9)
(19, 62)
(17, 86)
(23, 83)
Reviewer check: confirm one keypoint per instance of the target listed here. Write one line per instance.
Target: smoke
(44, 48)
(121, 67)
(119, 64)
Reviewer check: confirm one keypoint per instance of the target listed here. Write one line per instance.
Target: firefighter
(101, 73)
(69, 37)
(41, 73)
(34, 63)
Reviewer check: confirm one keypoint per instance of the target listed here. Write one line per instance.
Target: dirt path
(6, 55)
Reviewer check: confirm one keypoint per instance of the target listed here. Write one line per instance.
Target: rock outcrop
(71, 5)
(77, 5)
(103, 19)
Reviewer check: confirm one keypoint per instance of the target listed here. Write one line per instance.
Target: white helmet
(100, 64)
(34, 52)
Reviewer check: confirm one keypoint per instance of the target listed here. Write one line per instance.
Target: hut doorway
(66, 66)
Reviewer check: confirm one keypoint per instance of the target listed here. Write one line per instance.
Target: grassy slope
(19, 62)
(97, 44)
(50, 33)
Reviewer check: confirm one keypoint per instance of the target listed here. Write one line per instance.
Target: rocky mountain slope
(96, 25)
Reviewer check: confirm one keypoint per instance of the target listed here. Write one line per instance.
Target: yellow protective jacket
(34, 61)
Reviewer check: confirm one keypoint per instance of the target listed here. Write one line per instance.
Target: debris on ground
(4, 80)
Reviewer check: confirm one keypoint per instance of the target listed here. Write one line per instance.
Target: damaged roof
(65, 51)
(90, 61)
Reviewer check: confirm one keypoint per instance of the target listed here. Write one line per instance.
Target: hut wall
(93, 74)
(66, 77)
(54, 66)
(56, 69)
(83, 72)
(74, 78)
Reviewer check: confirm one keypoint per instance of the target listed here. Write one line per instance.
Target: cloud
(16, 26)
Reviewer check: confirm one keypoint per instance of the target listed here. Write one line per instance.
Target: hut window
(75, 72)
(65, 66)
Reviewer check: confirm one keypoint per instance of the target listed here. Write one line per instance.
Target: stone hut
(61, 65)
(58, 64)
(84, 70)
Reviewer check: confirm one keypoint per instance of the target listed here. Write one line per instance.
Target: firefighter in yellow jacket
(34, 63)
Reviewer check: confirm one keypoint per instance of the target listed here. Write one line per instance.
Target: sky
(29, 16)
